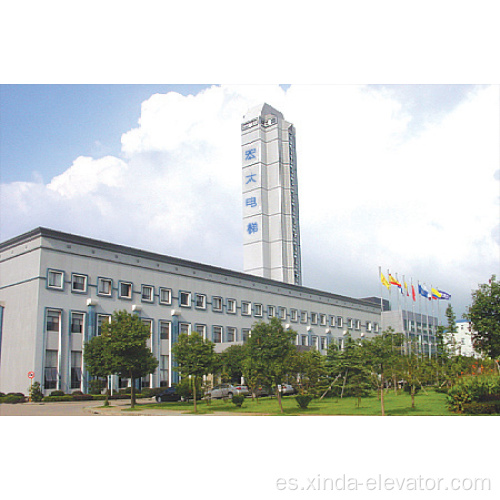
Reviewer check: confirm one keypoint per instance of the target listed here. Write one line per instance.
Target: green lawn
(432, 403)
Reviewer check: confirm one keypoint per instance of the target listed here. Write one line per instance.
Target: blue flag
(423, 291)
(444, 295)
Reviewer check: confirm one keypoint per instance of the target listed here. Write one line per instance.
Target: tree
(379, 352)
(97, 358)
(124, 341)
(269, 351)
(195, 358)
(451, 330)
(232, 362)
(309, 370)
(484, 316)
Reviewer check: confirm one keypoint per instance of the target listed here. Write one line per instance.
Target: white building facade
(271, 233)
(57, 289)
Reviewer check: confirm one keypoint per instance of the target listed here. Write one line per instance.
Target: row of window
(200, 301)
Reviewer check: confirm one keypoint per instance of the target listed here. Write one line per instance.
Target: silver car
(227, 391)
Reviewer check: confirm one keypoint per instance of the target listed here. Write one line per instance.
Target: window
(77, 322)
(125, 290)
(101, 319)
(333, 321)
(339, 322)
(185, 299)
(76, 369)
(217, 304)
(217, 334)
(314, 318)
(50, 379)
(104, 286)
(322, 319)
(147, 293)
(245, 333)
(231, 334)
(246, 308)
(164, 330)
(303, 317)
(53, 320)
(349, 323)
(79, 283)
(55, 279)
(231, 306)
(271, 311)
(185, 328)
(303, 340)
(200, 301)
(163, 371)
(281, 313)
(323, 343)
(315, 342)
(257, 310)
(201, 329)
(369, 327)
(165, 296)
(149, 324)
(294, 315)
(357, 324)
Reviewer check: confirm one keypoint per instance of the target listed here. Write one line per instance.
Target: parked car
(262, 390)
(227, 391)
(287, 389)
(169, 394)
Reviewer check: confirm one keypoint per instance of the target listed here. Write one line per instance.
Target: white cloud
(424, 204)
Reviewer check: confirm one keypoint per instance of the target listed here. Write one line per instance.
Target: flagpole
(412, 311)
(381, 290)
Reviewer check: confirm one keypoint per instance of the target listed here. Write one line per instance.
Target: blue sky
(389, 175)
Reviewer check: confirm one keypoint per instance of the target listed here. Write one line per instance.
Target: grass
(432, 403)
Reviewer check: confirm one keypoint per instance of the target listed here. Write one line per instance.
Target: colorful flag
(394, 281)
(423, 291)
(435, 294)
(444, 295)
(413, 293)
(385, 282)
(406, 290)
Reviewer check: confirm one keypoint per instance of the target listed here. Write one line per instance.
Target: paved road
(87, 408)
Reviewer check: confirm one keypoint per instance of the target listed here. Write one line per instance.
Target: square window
(231, 334)
(281, 312)
(55, 279)
(104, 286)
(185, 299)
(102, 319)
(200, 301)
(314, 318)
(147, 293)
(164, 330)
(201, 329)
(303, 316)
(245, 333)
(165, 296)
(246, 308)
(79, 283)
(77, 320)
(231, 306)
(125, 290)
(53, 320)
(257, 310)
(294, 315)
(217, 334)
(217, 304)
(271, 311)
(322, 319)
(185, 328)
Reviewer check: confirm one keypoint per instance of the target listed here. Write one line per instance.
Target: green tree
(124, 348)
(484, 316)
(379, 354)
(232, 362)
(195, 358)
(308, 368)
(269, 351)
(97, 358)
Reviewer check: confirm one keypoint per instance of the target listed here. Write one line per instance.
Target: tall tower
(271, 241)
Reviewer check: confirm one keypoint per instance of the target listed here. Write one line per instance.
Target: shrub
(12, 399)
(54, 399)
(36, 393)
(57, 393)
(473, 389)
(238, 400)
(482, 408)
(80, 396)
(303, 400)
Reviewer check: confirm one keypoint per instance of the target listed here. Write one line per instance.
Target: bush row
(477, 395)
(12, 398)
